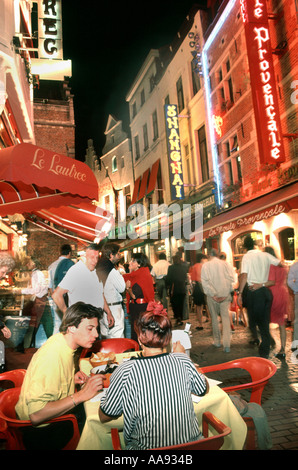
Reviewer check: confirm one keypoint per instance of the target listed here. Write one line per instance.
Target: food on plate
(102, 358)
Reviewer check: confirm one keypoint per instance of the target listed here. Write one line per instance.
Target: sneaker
(216, 345)
(226, 350)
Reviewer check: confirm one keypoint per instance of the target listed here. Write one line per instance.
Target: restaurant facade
(227, 80)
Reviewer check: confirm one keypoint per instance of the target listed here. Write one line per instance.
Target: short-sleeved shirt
(154, 396)
(256, 264)
(49, 377)
(83, 285)
(62, 268)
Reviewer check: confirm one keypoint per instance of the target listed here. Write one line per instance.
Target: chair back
(208, 443)
(15, 376)
(116, 345)
(13, 435)
(259, 368)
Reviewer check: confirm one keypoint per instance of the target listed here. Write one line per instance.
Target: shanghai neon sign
(174, 151)
(263, 86)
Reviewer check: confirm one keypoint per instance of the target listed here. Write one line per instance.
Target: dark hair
(142, 260)
(65, 249)
(110, 249)
(200, 256)
(77, 312)
(93, 246)
(176, 259)
(154, 331)
(269, 249)
(222, 255)
(248, 243)
(162, 256)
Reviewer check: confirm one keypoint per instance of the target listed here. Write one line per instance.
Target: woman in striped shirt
(153, 391)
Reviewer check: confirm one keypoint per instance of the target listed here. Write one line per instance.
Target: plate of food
(101, 358)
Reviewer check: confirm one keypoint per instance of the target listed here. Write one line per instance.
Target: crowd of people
(94, 296)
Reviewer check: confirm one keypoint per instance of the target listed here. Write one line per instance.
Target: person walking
(217, 281)
(293, 284)
(177, 283)
(280, 301)
(255, 268)
(40, 311)
(64, 262)
(199, 298)
(159, 273)
(113, 288)
(81, 284)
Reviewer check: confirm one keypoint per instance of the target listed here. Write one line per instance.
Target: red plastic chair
(208, 443)
(260, 370)
(116, 345)
(14, 440)
(15, 376)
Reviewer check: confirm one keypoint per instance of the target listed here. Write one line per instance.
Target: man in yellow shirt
(48, 389)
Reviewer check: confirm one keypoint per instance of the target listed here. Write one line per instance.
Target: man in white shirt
(159, 272)
(57, 315)
(217, 278)
(81, 283)
(255, 271)
(114, 286)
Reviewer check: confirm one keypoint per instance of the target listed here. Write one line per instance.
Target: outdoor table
(97, 435)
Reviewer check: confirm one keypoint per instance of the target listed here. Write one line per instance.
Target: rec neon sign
(174, 151)
(49, 29)
(263, 85)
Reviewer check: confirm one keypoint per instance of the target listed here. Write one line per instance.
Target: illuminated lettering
(217, 123)
(174, 151)
(39, 162)
(50, 29)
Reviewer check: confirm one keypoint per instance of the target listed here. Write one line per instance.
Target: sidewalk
(280, 396)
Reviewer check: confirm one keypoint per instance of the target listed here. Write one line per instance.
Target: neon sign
(217, 123)
(174, 151)
(263, 84)
(50, 29)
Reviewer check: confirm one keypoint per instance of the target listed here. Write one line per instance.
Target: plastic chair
(15, 376)
(208, 443)
(14, 439)
(260, 370)
(116, 345)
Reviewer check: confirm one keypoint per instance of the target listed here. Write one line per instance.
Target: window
(152, 82)
(107, 202)
(196, 82)
(145, 137)
(134, 110)
(137, 147)
(122, 162)
(142, 97)
(155, 125)
(167, 99)
(114, 164)
(127, 195)
(160, 188)
(203, 154)
(180, 96)
(232, 161)
(287, 241)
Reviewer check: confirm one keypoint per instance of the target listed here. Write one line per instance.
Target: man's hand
(218, 299)
(80, 378)
(6, 332)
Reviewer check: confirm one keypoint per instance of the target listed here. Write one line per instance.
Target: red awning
(136, 190)
(85, 220)
(269, 205)
(143, 186)
(33, 178)
(153, 177)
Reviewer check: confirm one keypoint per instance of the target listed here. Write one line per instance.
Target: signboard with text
(174, 151)
(50, 29)
(263, 84)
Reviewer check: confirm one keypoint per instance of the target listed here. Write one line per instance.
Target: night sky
(108, 43)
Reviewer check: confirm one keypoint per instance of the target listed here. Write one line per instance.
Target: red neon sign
(263, 85)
